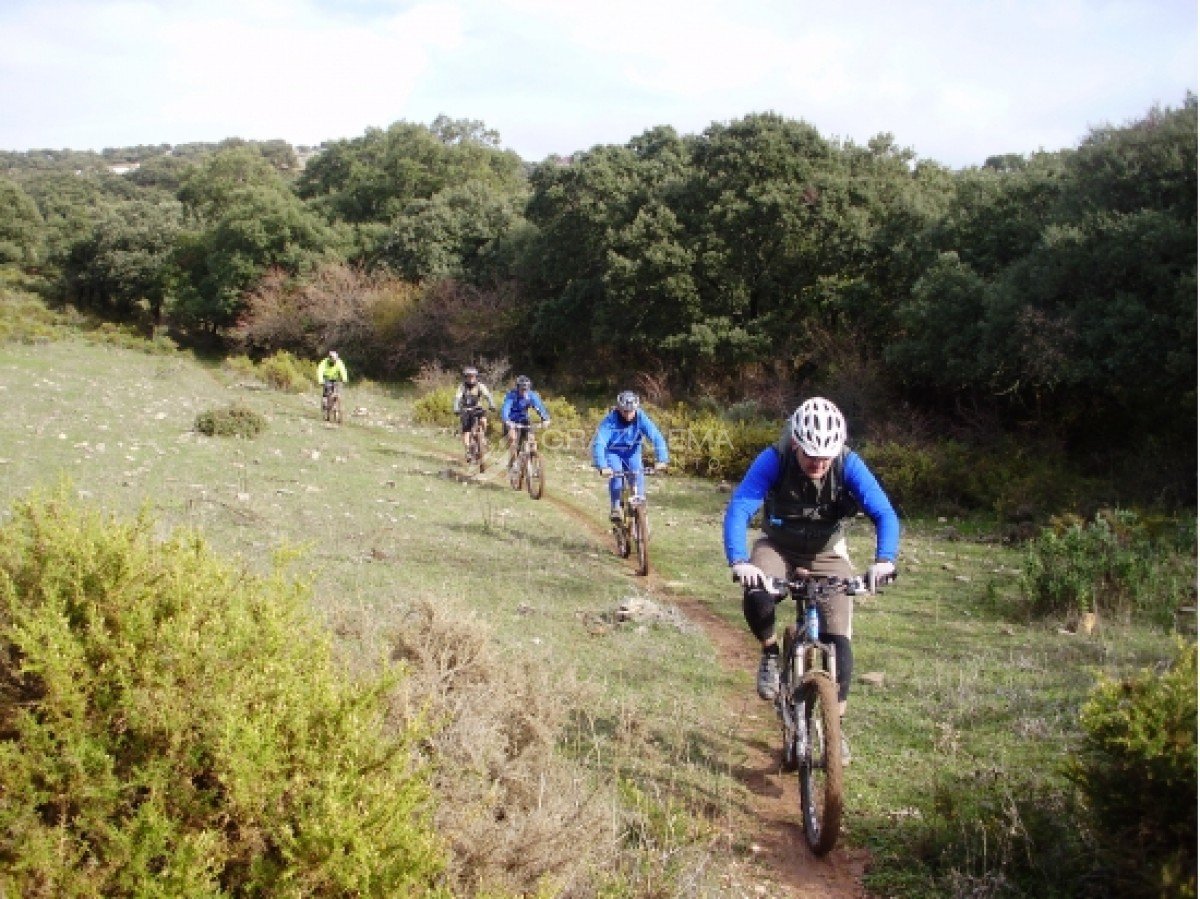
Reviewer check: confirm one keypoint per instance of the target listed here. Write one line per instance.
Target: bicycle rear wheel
(535, 476)
(641, 539)
(820, 762)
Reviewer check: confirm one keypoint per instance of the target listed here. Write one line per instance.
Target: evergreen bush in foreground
(172, 726)
(234, 420)
(1137, 768)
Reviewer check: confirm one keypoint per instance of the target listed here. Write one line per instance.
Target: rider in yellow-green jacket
(332, 368)
(331, 374)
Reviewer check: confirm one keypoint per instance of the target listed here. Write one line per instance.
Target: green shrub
(990, 833)
(235, 420)
(1118, 562)
(130, 337)
(708, 445)
(283, 371)
(241, 365)
(171, 726)
(436, 408)
(1137, 769)
(951, 477)
(562, 413)
(24, 317)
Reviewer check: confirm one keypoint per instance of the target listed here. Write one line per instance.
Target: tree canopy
(1051, 292)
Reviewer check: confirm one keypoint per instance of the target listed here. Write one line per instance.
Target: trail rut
(772, 826)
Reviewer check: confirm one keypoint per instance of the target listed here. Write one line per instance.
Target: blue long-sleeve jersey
(749, 495)
(615, 435)
(516, 407)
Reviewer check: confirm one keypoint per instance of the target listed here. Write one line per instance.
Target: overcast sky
(954, 80)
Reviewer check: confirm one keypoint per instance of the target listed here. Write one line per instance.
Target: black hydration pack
(471, 396)
(803, 515)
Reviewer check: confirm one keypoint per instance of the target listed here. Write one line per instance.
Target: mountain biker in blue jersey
(515, 411)
(617, 447)
(807, 485)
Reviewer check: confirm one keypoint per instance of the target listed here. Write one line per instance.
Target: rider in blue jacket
(617, 447)
(514, 412)
(807, 485)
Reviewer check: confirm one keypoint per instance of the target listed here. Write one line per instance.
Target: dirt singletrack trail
(782, 858)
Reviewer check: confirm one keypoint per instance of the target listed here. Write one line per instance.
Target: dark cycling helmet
(523, 382)
(470, 372)
(627, 401)
(819, 428)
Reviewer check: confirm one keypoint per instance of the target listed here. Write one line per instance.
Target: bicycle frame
(526, 438)
(478, 435)
(633, 530)
(331, 399)
(629, 496)
(811, 654)
(527, 468)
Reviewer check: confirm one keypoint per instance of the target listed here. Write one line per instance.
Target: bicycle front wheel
(641, 540)
(477, 450)
(820, 762)
(535, 476)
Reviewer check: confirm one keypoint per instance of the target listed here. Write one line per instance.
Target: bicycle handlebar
(814, 585)
(629, 475)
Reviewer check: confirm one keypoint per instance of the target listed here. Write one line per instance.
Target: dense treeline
(1050, 297)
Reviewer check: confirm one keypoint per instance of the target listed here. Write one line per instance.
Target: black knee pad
(845, 662)
(759, 608)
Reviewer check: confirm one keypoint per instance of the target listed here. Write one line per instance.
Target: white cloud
(955, 81)
(142, 72)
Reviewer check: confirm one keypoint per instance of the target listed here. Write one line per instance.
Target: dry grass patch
(519, 817)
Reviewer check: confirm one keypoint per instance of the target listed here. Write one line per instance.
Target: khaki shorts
(836, 611)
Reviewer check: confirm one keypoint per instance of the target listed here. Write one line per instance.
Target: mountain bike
(632, 532)
(331, 401)
(527, 468)
(807, 706)
(477, 444)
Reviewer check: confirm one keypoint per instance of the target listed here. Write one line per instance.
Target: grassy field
(974, 699)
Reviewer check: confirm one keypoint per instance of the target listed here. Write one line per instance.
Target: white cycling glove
(606, 472)
(748, 575)
(879, 573)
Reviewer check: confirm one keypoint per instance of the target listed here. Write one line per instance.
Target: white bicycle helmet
(819, 428)
(628, 401)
